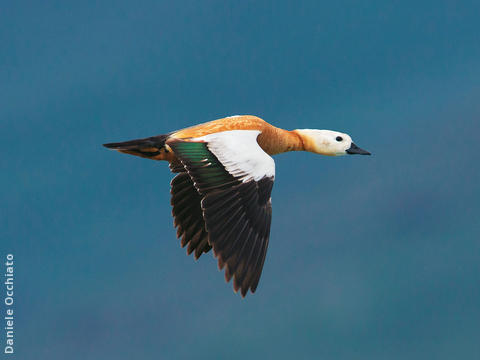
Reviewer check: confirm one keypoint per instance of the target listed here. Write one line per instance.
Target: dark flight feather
(188, 215)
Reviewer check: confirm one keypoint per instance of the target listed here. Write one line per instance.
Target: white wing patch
(240, 153)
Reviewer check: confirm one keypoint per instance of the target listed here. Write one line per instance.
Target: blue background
(370, 257)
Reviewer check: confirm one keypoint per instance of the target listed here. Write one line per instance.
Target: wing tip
(237, 288)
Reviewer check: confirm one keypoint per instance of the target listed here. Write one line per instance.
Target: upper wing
(234, 178)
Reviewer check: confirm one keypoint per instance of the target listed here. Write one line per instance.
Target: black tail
(150, 147)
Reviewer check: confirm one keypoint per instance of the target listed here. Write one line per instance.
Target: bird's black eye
(339, 138)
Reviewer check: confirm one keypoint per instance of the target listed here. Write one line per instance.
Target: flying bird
(220, 196)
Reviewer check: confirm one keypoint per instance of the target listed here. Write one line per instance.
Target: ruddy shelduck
(221, 193)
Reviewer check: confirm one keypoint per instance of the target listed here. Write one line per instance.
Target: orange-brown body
(272, 140)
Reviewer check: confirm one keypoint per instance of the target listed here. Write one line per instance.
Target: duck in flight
(220, 196)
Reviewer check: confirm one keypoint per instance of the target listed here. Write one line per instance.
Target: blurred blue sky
(370, 257)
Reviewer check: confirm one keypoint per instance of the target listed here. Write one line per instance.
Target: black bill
(354, 149)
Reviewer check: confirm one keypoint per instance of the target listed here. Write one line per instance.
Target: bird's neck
(276, 141)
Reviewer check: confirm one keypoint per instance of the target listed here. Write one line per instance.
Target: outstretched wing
(234, 179)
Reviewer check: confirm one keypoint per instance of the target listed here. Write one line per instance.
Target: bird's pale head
(327, 142)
